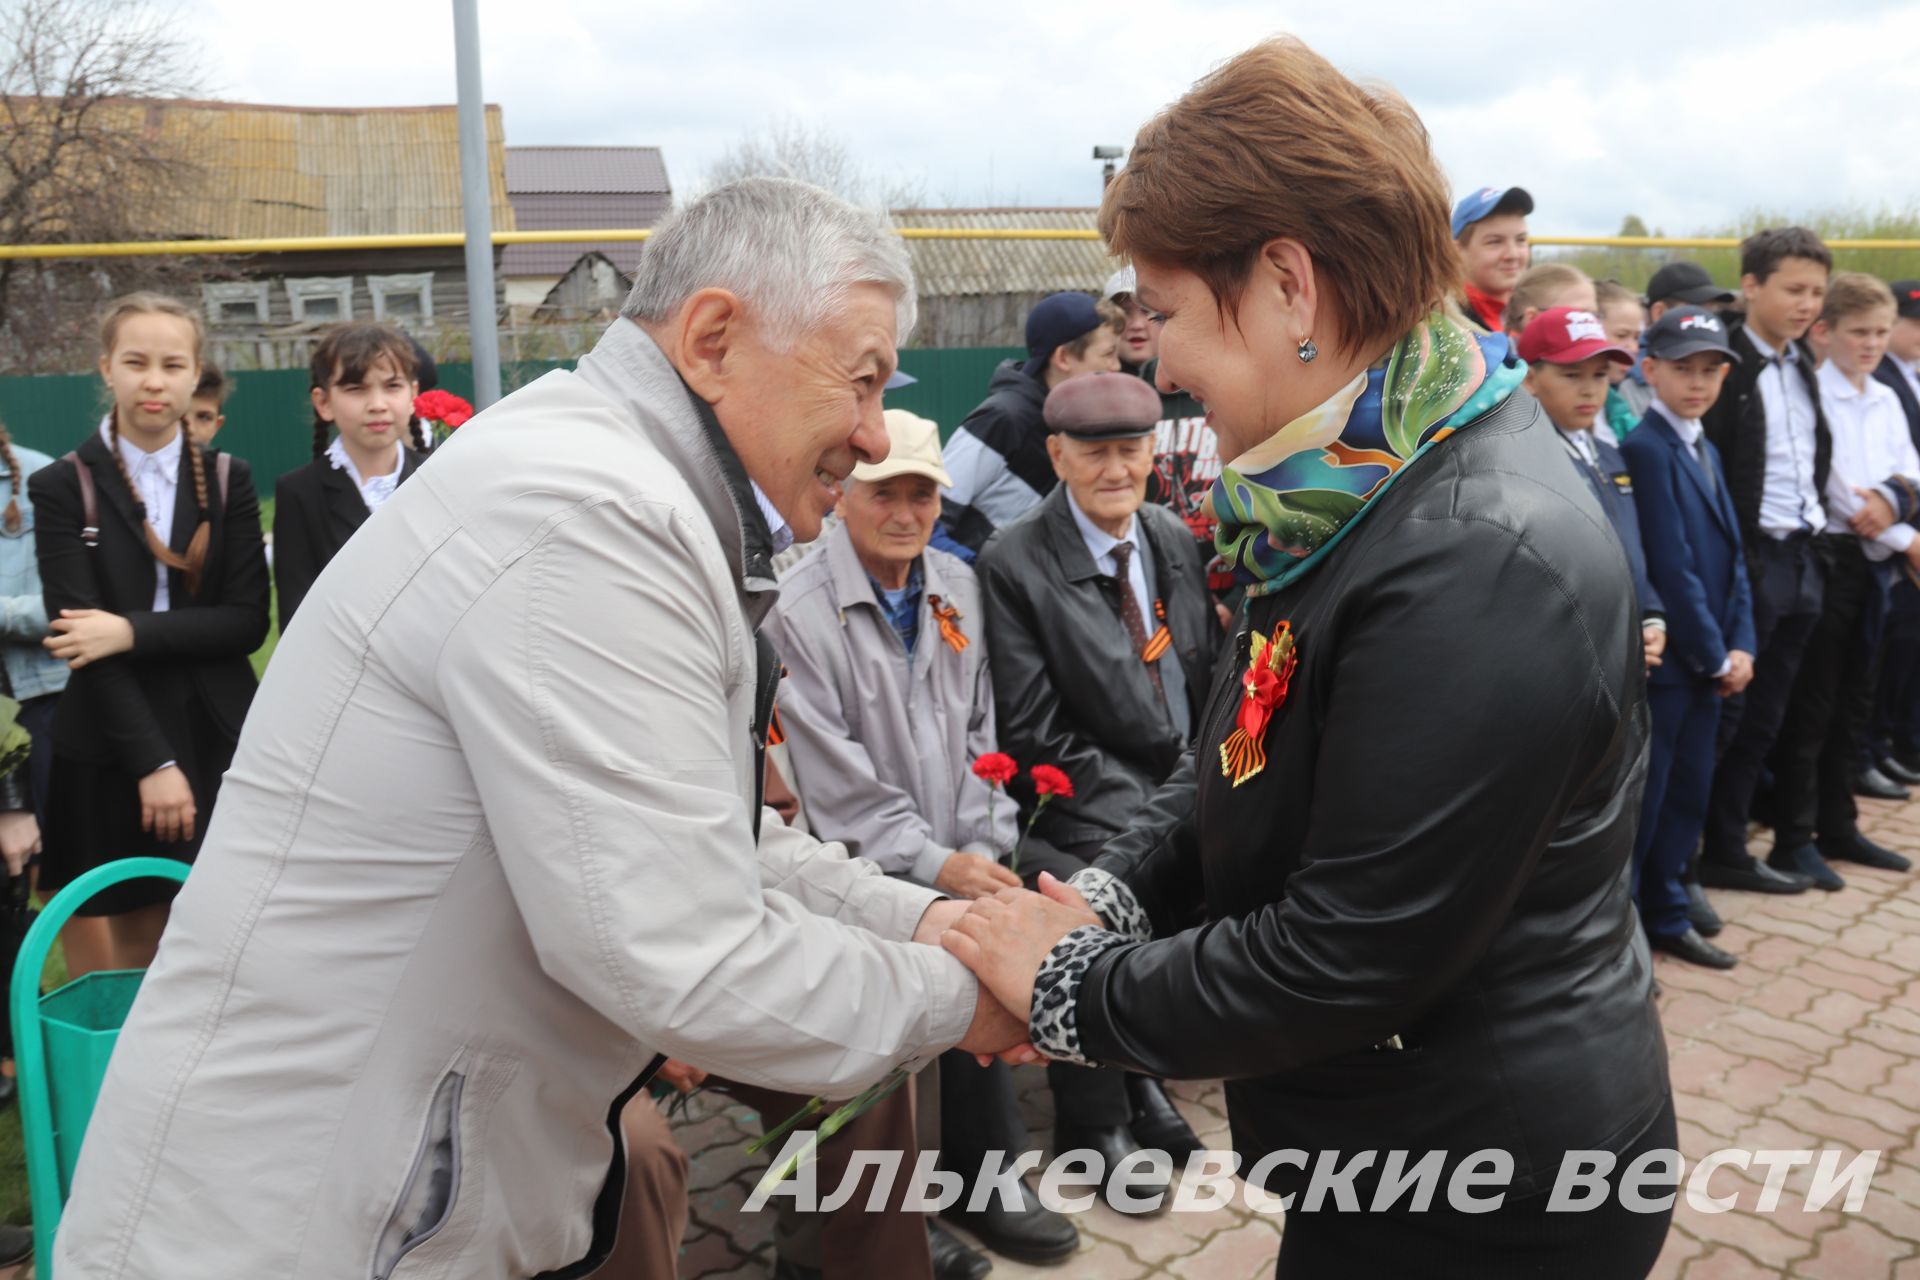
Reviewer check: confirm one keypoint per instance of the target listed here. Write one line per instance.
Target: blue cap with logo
(1488, 201)
(1055, 321)
(1685, 331)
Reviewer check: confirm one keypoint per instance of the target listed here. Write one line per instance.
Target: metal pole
(477, 197)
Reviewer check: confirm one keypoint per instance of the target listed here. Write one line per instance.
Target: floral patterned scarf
(1285, 502)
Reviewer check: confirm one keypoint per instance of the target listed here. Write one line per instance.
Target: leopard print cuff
(1108, 894)
(1053, 1026)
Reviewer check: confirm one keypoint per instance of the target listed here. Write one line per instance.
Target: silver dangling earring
(1308, 353)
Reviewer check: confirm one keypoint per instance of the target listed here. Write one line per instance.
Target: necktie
(1130, 613)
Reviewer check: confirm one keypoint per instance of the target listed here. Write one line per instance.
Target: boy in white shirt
(1873, 498)
(1895, 741)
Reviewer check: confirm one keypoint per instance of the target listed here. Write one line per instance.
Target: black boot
(1114, 1144)
(1157, 1125)
(952, 1259)
(1032, 1233)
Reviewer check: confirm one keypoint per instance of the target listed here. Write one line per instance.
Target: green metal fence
(270, 423)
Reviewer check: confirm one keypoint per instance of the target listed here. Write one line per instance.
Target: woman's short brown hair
(1279, 143)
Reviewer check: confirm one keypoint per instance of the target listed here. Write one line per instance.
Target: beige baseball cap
(914, 451)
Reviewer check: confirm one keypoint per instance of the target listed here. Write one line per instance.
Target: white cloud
(1686, 114)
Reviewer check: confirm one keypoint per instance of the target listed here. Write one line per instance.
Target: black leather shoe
(1854, 848)
(1115, 1143)
(1875, 785)
(1032, 1233)
(1806, 861)
(952, 1260)
(1755, 877)
(1156, 1124)
(1900, 773)
(16, 1244)
(1694, 949)
(784, 1270)
(1700, 913)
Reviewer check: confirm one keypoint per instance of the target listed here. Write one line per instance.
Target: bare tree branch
(80, 161)
(789, 148)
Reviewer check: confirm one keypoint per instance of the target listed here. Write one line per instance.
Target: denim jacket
(23, 613)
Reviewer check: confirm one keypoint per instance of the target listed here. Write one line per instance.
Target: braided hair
(194, 562)
(347, 353)
(12, 519)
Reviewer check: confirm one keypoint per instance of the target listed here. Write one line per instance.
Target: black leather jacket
(1438, 849)
(1068, 689)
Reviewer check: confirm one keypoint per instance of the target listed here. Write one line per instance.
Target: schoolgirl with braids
(156, 580)
(362, 385)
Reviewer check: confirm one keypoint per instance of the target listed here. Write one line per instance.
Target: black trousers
(979, 1112)
(1816, 757)
(1896, 720)
(1608, 1242)
(1788, 579)
(1092, 1097)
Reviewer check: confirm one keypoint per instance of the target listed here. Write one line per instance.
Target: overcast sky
(1686, 113)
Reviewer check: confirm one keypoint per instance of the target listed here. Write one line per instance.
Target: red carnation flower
(442, 407)
(1049, 781)
(995, 768)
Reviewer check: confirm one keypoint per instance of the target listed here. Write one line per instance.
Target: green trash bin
(62, 1042)
(81, 1021)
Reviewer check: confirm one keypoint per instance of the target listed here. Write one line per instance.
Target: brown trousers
(852, 1243)
(653, 1213)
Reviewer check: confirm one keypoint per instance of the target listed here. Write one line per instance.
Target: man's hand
(19, 839)
(1655, 640)
(81, 636)
(166, 804)
(1004, 939)
(995, 1031)
(1875, 515)
(1739, 673)
(683, 1076)
(973, 875)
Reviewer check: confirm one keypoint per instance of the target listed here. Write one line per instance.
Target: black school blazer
(315, 510)
(125, 708)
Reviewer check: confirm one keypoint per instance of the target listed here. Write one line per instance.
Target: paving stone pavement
(1813, 1042)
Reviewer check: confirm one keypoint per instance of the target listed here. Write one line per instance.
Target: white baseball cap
(914, 451)
(1121, 281)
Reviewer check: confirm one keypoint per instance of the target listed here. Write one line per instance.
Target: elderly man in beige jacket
(491, 845)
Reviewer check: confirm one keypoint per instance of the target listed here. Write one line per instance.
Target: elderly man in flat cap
(1103, 635)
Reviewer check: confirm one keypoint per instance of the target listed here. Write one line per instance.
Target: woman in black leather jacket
(1386, 897)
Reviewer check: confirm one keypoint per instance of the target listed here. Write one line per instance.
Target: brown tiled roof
(948, 268)
(318, 171)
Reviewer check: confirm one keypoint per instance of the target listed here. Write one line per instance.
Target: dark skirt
(1608, 1242)
(93, 817)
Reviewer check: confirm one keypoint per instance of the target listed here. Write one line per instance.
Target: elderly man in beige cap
(886, 706)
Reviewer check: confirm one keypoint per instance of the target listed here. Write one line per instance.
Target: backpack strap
(89, 501)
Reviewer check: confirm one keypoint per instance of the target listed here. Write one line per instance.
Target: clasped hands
(1004, 938)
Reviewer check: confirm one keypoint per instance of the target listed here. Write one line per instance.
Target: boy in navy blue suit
(1691, 533)
(1896, 728)
(1570, 363)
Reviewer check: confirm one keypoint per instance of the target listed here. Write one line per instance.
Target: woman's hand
(1004, 939)
(81, 636)
(166, 804)
(19, 839)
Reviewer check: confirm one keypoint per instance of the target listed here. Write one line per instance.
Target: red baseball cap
(1568, 335)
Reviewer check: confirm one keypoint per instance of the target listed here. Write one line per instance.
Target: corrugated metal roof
(317, 171)
(539, 211)
(947, 268)
(582, 170)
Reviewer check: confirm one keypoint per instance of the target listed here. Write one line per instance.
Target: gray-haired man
(397, 1021)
